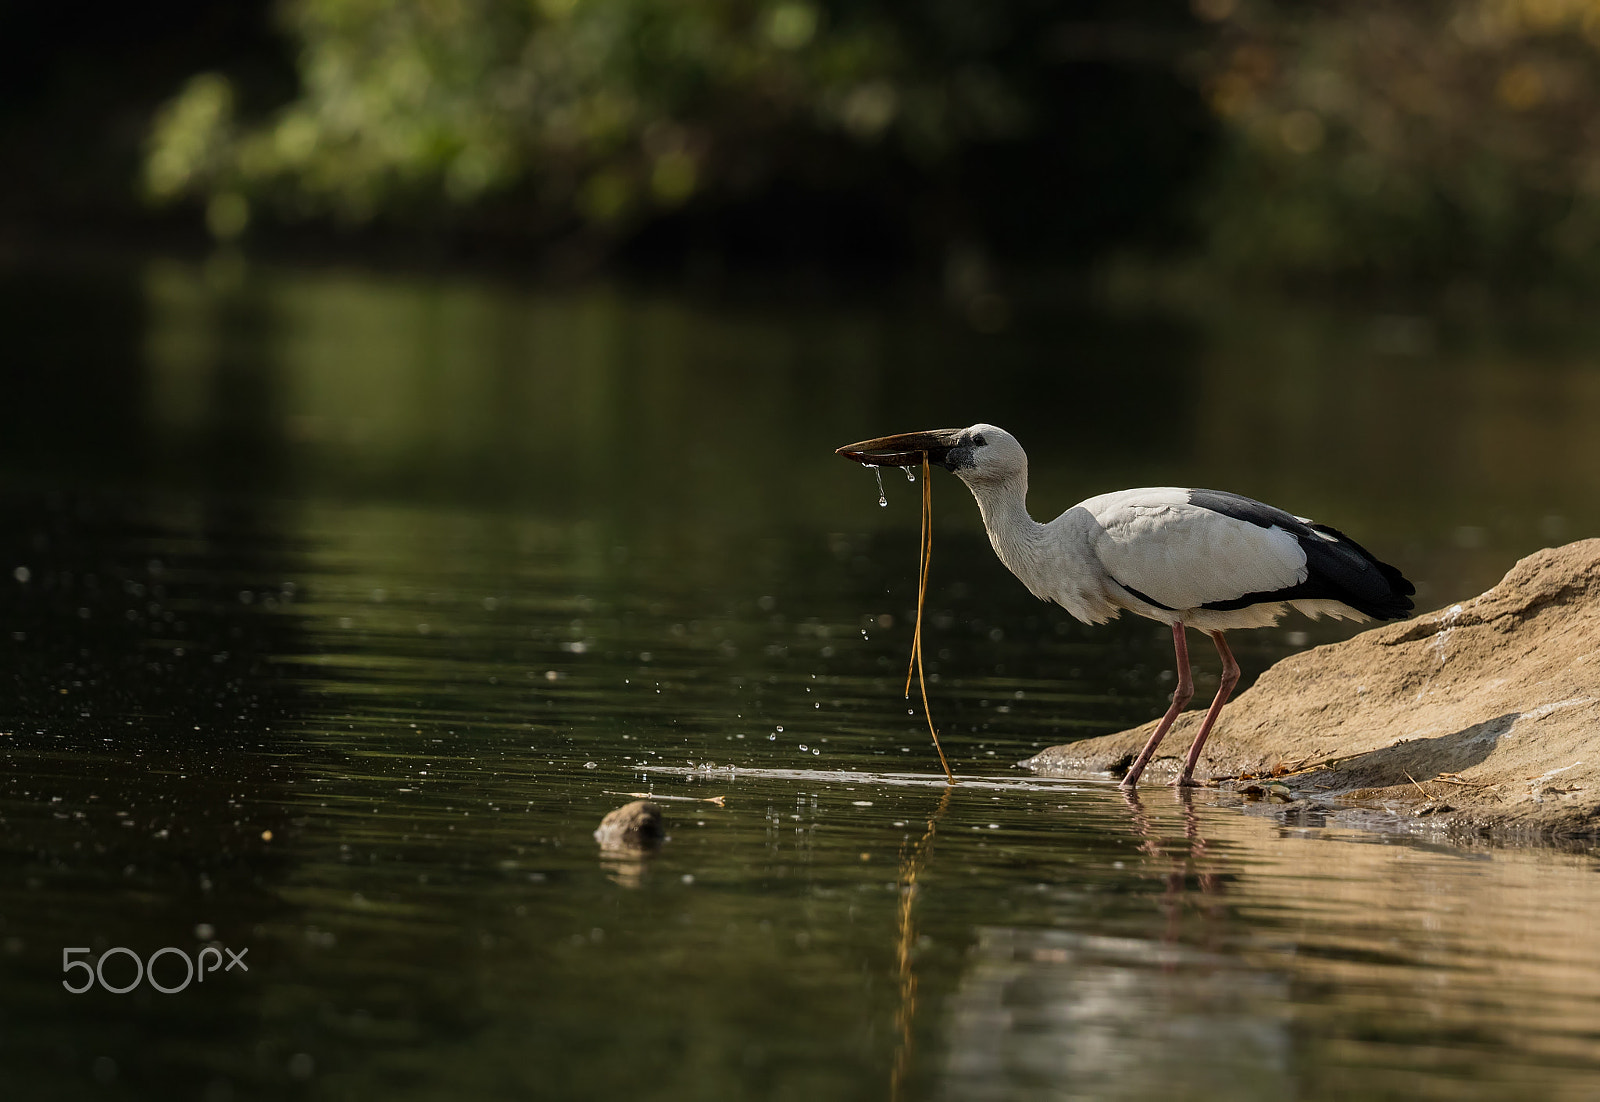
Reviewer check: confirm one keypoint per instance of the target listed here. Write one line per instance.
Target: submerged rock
(635, 826)
(1487, 713)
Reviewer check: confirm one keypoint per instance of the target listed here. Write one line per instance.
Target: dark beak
(905, 450)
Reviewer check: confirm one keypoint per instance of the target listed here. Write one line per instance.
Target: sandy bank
(1484, 716)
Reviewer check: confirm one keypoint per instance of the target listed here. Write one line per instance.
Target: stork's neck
(1016, 536)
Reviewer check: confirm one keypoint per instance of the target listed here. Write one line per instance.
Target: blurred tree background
(1429, 142)
(1353, 141)
(754, 131)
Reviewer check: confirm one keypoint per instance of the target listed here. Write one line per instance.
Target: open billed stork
(1188, 558)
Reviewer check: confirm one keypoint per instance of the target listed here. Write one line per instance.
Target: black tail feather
(1356, 576)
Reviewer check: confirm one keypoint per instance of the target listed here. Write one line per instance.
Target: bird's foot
(1185, 782)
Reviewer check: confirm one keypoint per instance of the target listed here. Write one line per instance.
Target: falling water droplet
(910, 477)
(877, 472)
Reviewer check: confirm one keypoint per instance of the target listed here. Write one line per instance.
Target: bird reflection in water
(912, 861)
(1189, 857)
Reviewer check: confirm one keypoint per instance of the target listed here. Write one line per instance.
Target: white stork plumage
(1188, 558)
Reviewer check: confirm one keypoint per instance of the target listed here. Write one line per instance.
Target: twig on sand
(1418, 787)
(1451, 778)
(1304, 765)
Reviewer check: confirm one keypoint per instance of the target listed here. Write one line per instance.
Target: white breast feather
(1185, 556)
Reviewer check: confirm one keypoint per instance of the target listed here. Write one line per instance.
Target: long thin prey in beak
(924, 558)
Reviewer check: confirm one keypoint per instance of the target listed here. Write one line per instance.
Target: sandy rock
(635, 826)
(1484, 715)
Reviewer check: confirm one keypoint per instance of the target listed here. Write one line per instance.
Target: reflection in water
(1044, 1011)
(625, 867)
(912, 859)
(1187, 858)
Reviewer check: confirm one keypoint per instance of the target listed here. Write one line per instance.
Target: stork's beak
(904, 450)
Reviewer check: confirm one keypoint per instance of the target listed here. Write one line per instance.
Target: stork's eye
(978, 440)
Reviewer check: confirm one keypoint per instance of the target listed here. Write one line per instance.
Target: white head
(986, 455)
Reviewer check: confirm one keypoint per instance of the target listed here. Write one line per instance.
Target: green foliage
(601, 110)
(1354, 139)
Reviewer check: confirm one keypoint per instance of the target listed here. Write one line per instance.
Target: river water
(337, 608)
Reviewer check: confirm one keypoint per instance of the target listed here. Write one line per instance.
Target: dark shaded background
(79, 84)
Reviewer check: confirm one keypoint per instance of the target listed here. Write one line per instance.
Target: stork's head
(978, 454)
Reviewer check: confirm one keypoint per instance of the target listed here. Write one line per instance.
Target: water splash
(877, 472)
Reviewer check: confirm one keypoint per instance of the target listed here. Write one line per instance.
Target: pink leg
(1230, 678)
(1180, 698)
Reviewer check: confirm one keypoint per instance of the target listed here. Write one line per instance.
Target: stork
(1204, 559)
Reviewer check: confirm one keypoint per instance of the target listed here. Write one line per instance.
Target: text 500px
(208, 959)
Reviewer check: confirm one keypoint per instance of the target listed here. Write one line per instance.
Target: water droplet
(591, 765)
(804, 747)
(910, 476)
(877, 472)
(778, 728)
(772, 738)
(816, 751)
